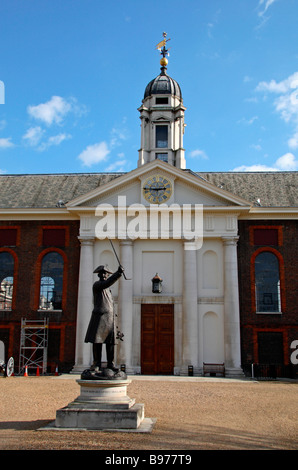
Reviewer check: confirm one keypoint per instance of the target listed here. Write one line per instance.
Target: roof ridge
(64, 174)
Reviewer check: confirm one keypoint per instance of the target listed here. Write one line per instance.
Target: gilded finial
(161, 46)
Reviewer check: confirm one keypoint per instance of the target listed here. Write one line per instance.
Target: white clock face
(157, 189)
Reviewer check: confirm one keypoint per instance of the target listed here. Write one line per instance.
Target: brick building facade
(33, 227)
(231, 300)
(266, 337)
(28, 242)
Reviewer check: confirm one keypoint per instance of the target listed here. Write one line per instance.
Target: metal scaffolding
(34, 345)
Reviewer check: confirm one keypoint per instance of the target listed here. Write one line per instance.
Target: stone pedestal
(103, 405)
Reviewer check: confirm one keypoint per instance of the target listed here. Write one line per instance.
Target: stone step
(71, 417)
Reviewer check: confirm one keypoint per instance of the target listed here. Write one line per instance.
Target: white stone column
(231, 307)
(190, 308)
(125, 305)
(85, 304)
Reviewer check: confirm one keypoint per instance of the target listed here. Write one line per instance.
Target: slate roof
(274, 189)
(44, 191)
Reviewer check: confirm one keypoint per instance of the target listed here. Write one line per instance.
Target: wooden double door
(157, 339)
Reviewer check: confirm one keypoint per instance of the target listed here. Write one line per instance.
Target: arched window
(267, 283)
(51, 282)
(6, 280)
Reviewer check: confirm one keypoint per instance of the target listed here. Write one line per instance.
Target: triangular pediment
(161, 118)
(188, 188)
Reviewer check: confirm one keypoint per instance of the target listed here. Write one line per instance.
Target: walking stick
(127, 279)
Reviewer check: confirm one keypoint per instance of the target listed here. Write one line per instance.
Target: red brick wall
(251, 322)
(28, 254)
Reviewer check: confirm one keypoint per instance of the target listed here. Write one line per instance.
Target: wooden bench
(213, 369)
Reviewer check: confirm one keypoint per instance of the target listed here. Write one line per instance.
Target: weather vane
(161, 46)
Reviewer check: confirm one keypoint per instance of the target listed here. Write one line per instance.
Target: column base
(78, 369)
(234, 372)
(185, 371)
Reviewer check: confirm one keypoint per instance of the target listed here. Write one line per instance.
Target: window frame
(14, 276)
(252, 228)
(53, 227)
(281, 279)
(11, 227)
(165, 126)
(162, 100)
(269, 330)
(38, 280)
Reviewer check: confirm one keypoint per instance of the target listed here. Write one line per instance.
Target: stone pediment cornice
(188, 179)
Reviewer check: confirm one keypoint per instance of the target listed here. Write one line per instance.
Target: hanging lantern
(156, 284)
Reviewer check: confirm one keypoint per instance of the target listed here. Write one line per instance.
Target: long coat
(102, 326)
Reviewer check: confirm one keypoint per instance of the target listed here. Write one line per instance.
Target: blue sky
(73, 73)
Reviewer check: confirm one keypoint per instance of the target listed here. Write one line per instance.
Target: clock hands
(155, 189)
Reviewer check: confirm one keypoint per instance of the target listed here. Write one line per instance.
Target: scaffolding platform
(33, 345)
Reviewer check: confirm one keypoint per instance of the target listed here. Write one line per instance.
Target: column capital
(86, 240)
(230, 240)
(126, 241)
(190, 246)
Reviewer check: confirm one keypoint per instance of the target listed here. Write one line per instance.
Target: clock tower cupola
(162, 117)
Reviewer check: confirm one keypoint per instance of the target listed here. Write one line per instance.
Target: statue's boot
(110, 357)
(97, 350)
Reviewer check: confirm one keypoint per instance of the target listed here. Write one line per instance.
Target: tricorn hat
(102, 268)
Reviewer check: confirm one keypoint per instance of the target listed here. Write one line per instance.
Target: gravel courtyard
(192, 414)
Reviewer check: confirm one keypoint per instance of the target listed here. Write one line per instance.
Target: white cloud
(251, 100)
(286, 103)
(57, 139)
(54, 140)
(99, 152)
(94, 154)
(6, 143)
(283, 86)
(256, 167)
(199, 154)
(247, 79)
(53, 111)
(287, 106)
(117, 136)
(256, 147)
(33, 135)
(119, 165)
(293, 141)
(285, 163)
(248, 122)
(267, 4)
(2, 124)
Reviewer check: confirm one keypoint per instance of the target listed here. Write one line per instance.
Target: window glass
(161, 137)
(162, 156)
(162, 100)
(267, 283)
(6, 280)
(51, 282)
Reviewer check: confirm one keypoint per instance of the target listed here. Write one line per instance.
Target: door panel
(157, 339)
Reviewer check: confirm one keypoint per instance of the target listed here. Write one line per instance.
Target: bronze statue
(102, 326)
